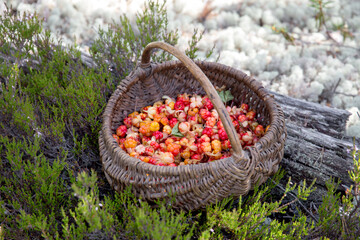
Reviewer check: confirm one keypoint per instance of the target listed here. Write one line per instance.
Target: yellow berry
(154, 126)
(216, 146)
(171, 105)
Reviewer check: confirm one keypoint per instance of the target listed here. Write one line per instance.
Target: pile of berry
(184, 131)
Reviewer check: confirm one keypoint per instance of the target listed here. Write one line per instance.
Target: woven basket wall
(194, 186)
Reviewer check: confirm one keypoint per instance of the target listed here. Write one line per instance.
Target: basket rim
(139, 74)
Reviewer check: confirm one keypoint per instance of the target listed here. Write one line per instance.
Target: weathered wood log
(316, 147)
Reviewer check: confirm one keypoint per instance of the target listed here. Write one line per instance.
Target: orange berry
(134, 114)
(193, 111)
(130, 143)
(164, 121)
(185, 154)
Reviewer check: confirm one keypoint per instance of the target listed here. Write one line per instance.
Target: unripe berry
(179, 105)
(116, 137)
(173, 122)
(243, 120)
(222, 134)
(204, 113)
(207, 103)
(259, 130)
(208, 131)
(158, 135)
(225, 145)
(121, 131)
(245, 107)
(251, 115)
(128, 122)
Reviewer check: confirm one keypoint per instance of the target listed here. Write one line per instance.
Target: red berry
(259, 130)
(172, 165)
(121, 131)
(154, 145)
(152, 161)
(116, 137)
(207, 103)
(219, 124)
(149, 151)
(196, 156)
(160, 108)
(173, 122)
(207, 131)
(222, 134)
(204, 113)
(243, 120)
(179, 105)
(158, 135)
(184, 98)
(128, 122)
(225, 145)
(245, 107)
(251, 115)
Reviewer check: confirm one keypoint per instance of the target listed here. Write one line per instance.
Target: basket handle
(208, 87)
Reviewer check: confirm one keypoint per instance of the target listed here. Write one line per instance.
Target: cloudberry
(154, 126)
(173, 122)
(130, 143)
(210, 122)
(204, 113)
(208, 131)
(251, 115)
(222, 134)
(164, 121)
(173, 148)
(121, 131)
(205, 147)
(158, 135)
(216, 146)
(167, 129)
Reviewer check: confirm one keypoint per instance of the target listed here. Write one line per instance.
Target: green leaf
(175, 131)
(226, 96)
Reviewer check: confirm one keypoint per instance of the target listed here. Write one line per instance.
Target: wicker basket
(194, 186)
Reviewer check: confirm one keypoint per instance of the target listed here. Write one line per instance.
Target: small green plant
(319, 6)
(284, 33)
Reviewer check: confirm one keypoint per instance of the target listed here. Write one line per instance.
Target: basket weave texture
(191, 186)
